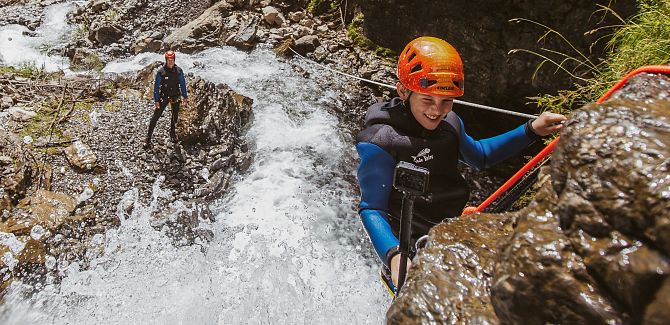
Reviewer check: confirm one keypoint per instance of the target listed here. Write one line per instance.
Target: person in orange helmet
(169, 88)
(420, 127)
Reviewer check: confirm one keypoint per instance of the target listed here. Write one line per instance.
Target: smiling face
(169, 63)
(427, 110)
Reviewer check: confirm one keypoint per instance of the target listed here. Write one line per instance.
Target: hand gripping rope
(550, 147)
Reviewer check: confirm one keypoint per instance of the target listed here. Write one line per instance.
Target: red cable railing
(550, 147)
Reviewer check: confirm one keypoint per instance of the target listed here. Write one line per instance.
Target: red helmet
(431, 66)
(169, 55)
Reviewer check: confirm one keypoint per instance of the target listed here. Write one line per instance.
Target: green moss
(355, 34)
(26, 70)
(110, 107)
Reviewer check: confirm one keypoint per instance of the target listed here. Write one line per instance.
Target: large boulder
(203, 32)
(272, 16)
(306, 44)
(105, 33)
(454, 270)
(592, 248)
(214, 115)
(245, 36)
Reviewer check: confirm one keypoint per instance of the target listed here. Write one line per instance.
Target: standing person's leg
(173, 121)
(154, 119)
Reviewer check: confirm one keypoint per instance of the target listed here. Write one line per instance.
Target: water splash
(287, 245)
(21, 47)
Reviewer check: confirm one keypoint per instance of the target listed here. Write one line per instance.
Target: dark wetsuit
(170, 84)
(392, 134)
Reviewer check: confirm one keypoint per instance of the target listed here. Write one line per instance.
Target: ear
(402, 91)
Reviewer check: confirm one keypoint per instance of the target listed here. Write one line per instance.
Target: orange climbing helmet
(169, 55)
(431, 66)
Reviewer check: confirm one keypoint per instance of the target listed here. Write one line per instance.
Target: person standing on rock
(169, 88)
(420, 127)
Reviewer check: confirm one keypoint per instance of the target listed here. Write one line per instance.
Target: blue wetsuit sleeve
(182, 84)
(157, 86)
(488, 152)
(375, 178)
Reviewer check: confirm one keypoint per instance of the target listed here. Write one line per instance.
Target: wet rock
(47, 209)
(81, 156)
(306, 44)
(272, 16)
(15, 178)
(455, 270)
(215, 114)
(215, 186)
(245, 37)
(592, 248)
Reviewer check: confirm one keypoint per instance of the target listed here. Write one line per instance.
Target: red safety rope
(550, 147)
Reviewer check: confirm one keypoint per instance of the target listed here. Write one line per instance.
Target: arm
(375, 177)
(488, 152)
(157, 87)
(182, 84)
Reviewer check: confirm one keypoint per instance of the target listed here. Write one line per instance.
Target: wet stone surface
(593, 246)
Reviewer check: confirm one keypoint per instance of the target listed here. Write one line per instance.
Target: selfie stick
(405, 236)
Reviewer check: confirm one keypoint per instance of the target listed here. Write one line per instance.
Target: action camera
(411, 179)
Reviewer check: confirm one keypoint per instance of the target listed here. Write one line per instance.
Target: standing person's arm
(182, 85)
(157, 89)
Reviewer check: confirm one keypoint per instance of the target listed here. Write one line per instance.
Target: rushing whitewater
(21, 47)
(288, 246)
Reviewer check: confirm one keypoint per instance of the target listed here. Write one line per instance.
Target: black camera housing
(411, 179)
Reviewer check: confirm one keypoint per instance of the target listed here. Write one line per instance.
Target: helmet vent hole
(425, 82)
(417, 67)
(411, 57)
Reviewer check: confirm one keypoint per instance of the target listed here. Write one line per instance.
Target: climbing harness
(550, 147)
(456, 101)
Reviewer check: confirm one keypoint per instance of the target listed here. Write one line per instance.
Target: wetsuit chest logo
(423, 156)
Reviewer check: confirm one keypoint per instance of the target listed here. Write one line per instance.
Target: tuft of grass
(111, 15)
(25, 70)
(643, 39)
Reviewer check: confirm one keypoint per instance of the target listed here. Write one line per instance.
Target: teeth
(432, 117)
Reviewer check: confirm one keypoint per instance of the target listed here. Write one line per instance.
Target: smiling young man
(419, 127)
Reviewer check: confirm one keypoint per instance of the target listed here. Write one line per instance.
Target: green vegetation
(317, 7)
(25, 70)
(354, 32)
(643, 39)
(111, 15)
(45, 122)
(82, 31)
